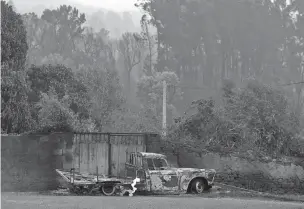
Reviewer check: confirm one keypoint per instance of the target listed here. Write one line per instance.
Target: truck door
(135, 169)
(162, 177)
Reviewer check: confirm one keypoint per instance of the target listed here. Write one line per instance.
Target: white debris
(133, 186)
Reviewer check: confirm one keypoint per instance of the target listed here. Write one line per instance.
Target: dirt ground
(34, 201)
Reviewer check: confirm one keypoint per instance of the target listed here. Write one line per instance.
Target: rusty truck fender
(187, 179)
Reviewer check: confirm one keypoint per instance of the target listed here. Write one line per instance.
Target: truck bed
(86, 179)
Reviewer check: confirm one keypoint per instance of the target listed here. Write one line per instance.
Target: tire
(198, 186)
(108, 190)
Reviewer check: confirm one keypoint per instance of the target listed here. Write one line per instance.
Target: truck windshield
(160, 163)
(156, 163)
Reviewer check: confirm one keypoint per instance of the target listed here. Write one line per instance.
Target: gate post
(146, 142)
(109, 155)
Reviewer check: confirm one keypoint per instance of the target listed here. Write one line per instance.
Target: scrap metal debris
(133, 186)
(130, 191)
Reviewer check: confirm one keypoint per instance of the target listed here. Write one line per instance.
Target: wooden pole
(96, 160)
(164, 108)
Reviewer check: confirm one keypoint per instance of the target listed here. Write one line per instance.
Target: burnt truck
(155, 176)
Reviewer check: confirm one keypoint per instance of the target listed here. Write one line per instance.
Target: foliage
(15, 110)
(36, 29)
(94, 50)
(206, 42)
(13, 38)
(130, 48)
(149, 41)
(104, 92)
(15, 113)
(62, 80)
(264, 114)
(65, 25)
(53, 114)
(73, 84)
(150, 88)
(57, 59)
(211, 46)
(150, 94)
(255, 118)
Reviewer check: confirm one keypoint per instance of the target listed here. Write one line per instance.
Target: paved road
(10, 201)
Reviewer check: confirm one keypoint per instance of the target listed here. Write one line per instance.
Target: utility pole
(164, 108)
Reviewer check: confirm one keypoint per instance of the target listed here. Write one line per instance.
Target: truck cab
(157, 176)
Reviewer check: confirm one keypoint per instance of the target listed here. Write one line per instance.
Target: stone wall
(286, 176)
(28, 162)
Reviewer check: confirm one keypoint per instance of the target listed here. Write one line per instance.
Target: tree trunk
(129, 81)
(223, 71)
(178, 159)
(208, 72)
(299, 103)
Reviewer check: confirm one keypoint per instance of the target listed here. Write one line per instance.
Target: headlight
(211, 176)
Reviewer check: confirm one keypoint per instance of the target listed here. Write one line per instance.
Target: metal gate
(105, 153)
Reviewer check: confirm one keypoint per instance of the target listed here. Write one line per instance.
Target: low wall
(28, 162)
(268, 176)
(274, 177)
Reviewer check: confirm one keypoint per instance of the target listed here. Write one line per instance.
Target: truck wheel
(198, 186)
(108, 190)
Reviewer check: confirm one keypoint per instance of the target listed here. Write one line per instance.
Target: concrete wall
(275, 177)
(268, 176)
(28, 162)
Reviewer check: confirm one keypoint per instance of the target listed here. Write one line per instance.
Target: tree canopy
(15, 113)
(229, 59)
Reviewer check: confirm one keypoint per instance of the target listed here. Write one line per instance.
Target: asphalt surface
(13, 201)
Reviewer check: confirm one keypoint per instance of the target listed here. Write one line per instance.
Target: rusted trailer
(88, 184)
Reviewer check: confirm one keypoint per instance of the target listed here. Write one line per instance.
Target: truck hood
(194, 170)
